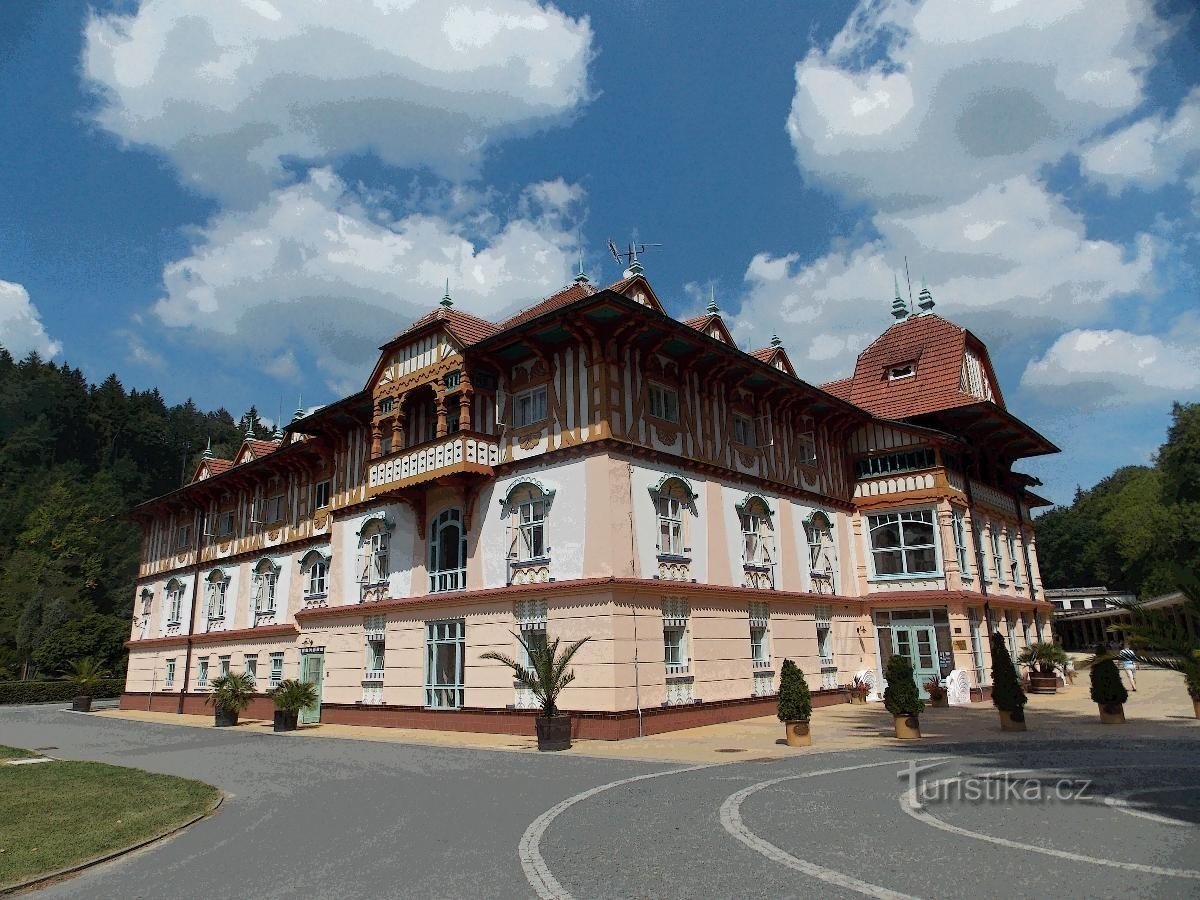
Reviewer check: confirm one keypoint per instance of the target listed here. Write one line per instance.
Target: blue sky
(238, 202)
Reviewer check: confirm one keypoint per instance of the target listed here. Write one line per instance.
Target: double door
(312, 669)
(918, 644)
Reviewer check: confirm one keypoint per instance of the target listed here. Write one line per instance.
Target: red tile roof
(698, 322)
(216, 465)
(564, 297)
(262, 448)
(936, 349)
(466, 328)
(764, 353)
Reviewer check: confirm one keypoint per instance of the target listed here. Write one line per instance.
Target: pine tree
(795, 701)
(1106, 682)
(901, 696)
(1006, 686)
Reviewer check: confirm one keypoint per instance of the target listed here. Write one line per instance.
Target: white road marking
(29, 761)
(1121, 804)
(529, 851)
(731, 819)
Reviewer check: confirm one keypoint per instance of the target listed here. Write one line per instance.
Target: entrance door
(917, 643)
(312, 668)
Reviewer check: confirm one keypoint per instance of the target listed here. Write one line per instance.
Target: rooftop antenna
(630, 255)
(911, 308)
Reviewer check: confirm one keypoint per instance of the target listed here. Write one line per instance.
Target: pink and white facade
(593, 467)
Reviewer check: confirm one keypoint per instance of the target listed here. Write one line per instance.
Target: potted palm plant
(1044, 660)
(1007, 696)
(795, 705)
(290, 696)
(859, 690)
(85, 674)
(937, 693)
(902, 698)
(546, 677)
(230, 695)
(1107, 691)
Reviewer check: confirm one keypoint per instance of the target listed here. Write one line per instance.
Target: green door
(312, 668)
(918, 643)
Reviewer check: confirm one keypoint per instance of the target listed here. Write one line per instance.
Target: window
(888, 463)
(758, 545)
(530, 407)
(217, 586)
(531, 618)
(821, 556)
(445, 646)
(385, 445)
(675, 622)
(997, 557)
(453, 379)
(806, 441)
(908, 370)
(1014, 566)
(183, 536)
(669, 505)
(972, 380)
(318, 578)
(823, 617)
(447, 553)
(169, 678)
(225, 523)
(531, 519)
(272, 509)
(664, 403)
(252, 666)
(760, 653)
(976, 647)
(374, 559)
(202, 674)
(385, 404)
(223, 665)
(174, 601)
(266, 577)
(276, 669)
(375, 648)
(743, 430)
(903, 543)
(958, 525)
(321, 494)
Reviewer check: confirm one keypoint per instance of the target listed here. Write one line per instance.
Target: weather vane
(630, 255)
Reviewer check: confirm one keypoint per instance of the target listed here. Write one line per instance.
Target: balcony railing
(448, 580)
(459, 452)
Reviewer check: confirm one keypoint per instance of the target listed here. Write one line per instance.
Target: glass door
(312, 669)
(918, 644)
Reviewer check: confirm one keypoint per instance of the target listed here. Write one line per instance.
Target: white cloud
(227, 90)
(1152, 152)
(913, 103)
(139, 353)
(317, 269)
(1099, 368)
(21, 328)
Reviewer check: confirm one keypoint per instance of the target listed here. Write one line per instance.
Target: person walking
(1129, 664)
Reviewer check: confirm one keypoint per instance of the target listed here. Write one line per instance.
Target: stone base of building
(261, 707)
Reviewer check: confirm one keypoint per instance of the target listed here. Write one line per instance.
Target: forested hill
(1129, 530)
(74, 458)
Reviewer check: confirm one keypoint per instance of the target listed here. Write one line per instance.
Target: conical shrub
(1006, 686)
(795, 701)
(901, 696)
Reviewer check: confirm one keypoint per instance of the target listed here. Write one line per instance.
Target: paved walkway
(1160, 708)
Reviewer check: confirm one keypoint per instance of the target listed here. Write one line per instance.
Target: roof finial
(899, 310)
(635, 266)
(712, 300)
(299, 408)
(925, 298)
(446, 301)
(775, 341)
(581, 277)
(208, 448)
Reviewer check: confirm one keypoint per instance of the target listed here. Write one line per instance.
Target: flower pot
(1111, 713)
(1196, 706)
(554, 733)
(939, 702)
(797, 733)
(81, 704)
(1012, 720)
(908, 728)
(1043, 684)
(223, 718)
(286, 719)
(857, 697)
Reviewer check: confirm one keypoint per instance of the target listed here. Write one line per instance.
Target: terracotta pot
(554, 733)
(81, 704)
(1012, 721)
(1111, 713)
(908, 728)
(857, 698)
(939, 703)
(1043, 684)
(1196, 706)
(797, 733)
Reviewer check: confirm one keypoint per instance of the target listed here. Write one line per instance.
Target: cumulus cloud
(1097, 368)
(21, 328)
(319, 267)
(915, 103)
(1152, 152)
(229, 90)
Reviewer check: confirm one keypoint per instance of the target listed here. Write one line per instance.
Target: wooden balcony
(463, 452)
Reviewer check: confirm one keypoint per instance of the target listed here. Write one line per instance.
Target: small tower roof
(925, 298)
(899, 309)
(446, 301)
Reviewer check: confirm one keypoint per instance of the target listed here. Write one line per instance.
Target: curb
(69, 871)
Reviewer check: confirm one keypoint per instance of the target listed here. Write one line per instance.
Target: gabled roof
(772, 356)
(708, 323)
(564, 297)
(252, 448)
(210, 466)
(464, 327)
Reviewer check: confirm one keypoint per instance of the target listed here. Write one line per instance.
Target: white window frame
(202, 672)
(445, 633)
(924, 516)
(218, 590)
(272, 509)
(806, 441)
(664, 403)
(322, 493)
(440, 578)
(375, 660)
(758, 536)
(997, 553)
(958, 526)
(275, 674)
(224, 664)
(183, 536)
(1013, 564)
(676, 621)
(376, 559)
(743, 430)
(250, 666)
(530, 407)
(668, 511)
(266, 584)
(169, 676)
(226, 523)
(531, 529)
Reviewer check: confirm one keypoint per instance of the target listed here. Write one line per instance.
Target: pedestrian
(1129, 664)
(1069, 670)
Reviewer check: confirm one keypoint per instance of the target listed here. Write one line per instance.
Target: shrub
(1006, 686)
(1106, 682)
(1045, 657)
(901, 696)
(84, 675)
(292, 695)
(795, 702)
(231, 692)
(547, 674)
(55, 691)
(933, 687)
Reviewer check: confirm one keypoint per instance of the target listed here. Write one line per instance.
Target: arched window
(217, 584)
(822, 552)
(374, 542)
(447, 553)
(147, 597)
(174, 601)
(266, 578)
(758, 533)
(315, 569)
(527, 506)
(673, 499)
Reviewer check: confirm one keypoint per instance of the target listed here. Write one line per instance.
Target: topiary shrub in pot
(1007, 695)
(1044, 661)
(902, 698)
(546, 677)
(1107, 690)
(229, 696)
(290, 696)
(795, 705)
(86, 676)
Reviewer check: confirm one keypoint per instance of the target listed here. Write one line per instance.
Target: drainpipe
(187, 659)
(1028, 566)
(637, 681)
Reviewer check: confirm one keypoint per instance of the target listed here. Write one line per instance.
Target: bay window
(904, 543)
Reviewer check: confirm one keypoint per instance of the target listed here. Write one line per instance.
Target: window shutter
(763, 435)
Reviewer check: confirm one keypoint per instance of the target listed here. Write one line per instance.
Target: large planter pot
(1012, 720)
(939, 702)
(797, 733)
(81, 704)
(554, 733)
(908, 728)
(224, 718)
(1196, 706)
(286, 719)
(1111, 713)
(857, 698)
(1043, 684)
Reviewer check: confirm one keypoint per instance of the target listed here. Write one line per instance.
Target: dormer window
(385, 405)
(907, 370)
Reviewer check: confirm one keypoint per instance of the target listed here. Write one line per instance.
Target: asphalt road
(337, 818)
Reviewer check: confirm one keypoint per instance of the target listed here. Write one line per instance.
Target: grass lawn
(14, 753)
(56, 814)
